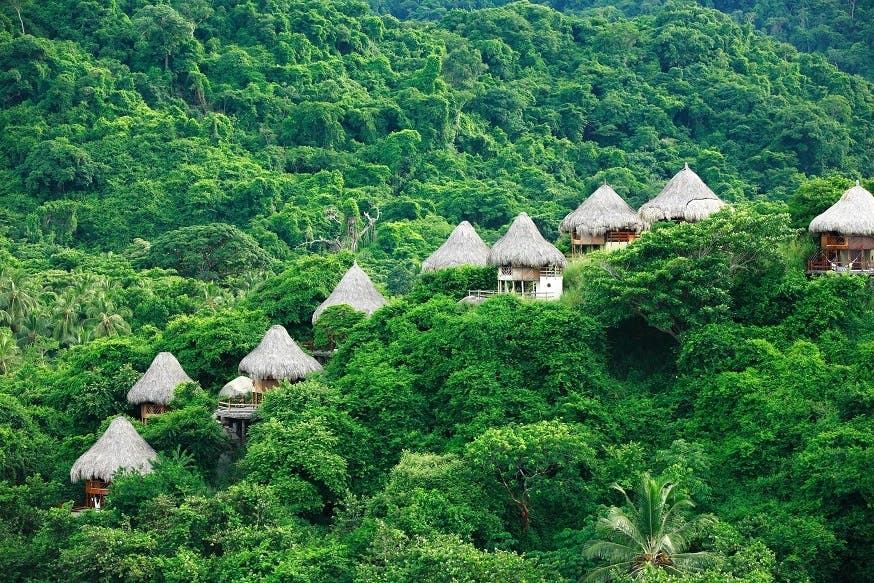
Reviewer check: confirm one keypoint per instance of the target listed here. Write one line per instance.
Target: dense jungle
(181, 175)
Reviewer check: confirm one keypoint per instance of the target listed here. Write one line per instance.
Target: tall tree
(654, 533)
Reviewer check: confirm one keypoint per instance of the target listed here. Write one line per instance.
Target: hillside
(181, 177)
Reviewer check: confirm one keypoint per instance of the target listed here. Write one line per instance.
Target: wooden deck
(821, 263)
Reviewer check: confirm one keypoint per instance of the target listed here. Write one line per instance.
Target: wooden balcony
(824, 262)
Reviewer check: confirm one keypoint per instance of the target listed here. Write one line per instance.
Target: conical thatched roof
(355, 290)
(463, 247)
(158, 382)
(239, 387)
(278, 357)
(684, 198)
(523, 245)
(603, 211)
(119, 448)
(853, 214)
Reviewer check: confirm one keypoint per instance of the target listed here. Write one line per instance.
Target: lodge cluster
(526, 263)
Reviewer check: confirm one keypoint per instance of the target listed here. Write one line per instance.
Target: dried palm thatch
(159, 381)
(119, 448)
(463, 247)
(278, 357)
(603, 211)
(684, 198)
(355, 290)
(853, 214)
(523, 245)
(237, 388)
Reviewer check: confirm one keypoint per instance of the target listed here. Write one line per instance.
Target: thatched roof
(119, 448)
(523, 245)
(853, 214)
(603, 211)
(158, 382)
(356, 290)
(684, 198)
(463, 247)
(239, 387)
(278, 357)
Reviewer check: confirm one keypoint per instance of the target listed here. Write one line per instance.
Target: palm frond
(612, 551)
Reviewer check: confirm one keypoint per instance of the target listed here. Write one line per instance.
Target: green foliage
(334, 325)
(653, 533)
(190, 427)
(210, 252)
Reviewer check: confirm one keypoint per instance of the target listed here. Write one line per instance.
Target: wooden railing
(856, 264)
(234, 406)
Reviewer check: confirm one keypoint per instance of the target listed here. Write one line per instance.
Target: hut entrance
(148, 410)
(95, 493)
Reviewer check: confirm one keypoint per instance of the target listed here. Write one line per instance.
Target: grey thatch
(158, 382)
(523, 245)
(463, 247)
(278, 357)
(239, 387)
(603, 211)
(853, 214)
(684, 198)
(355, 290)
(119, 448)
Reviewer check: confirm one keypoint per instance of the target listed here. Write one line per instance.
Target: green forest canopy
(180, 176)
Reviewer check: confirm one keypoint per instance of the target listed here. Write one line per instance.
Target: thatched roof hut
(278, 357)
(852, 214)
(523, 245)
(158, 382)
(355, 290)
(237, 388)
(684, 198)
(119, 448)
(463, 247)
(603, 211)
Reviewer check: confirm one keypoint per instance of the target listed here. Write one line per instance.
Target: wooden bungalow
(602, 221)
(684, 198)
(463, 247)
(154, 391)
(119, 448)
(355, 290)
(846, 234)
(236, 406)
(275, 359)
(527, 263)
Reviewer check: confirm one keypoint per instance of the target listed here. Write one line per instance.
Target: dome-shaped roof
(159, 381)
(603, 211)
(463, 247)
(852, 214)
(684, 198)
(278, 357)
(523, 245)
(355, 289)
(119, 448)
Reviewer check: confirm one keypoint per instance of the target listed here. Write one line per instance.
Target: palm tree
(10, 354)
(18, 296)
(104, 319)
(654, 534)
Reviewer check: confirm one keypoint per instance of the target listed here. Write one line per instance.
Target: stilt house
(463, 247)
(355, 290)
(846, 234)
(602, 221)
(236, 406)
(684, 198)
(154, 391)
(119, 448)
(527, 263)
(276, 358)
